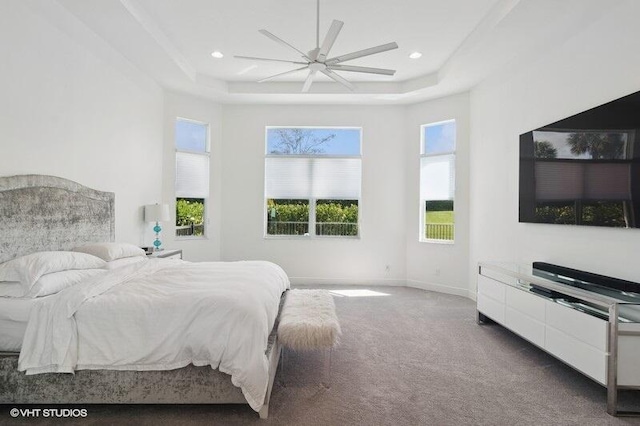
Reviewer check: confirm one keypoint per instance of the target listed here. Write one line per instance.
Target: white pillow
(11, 289)
(111, 251)
(58, 281)
(28, 269)
(125, 261)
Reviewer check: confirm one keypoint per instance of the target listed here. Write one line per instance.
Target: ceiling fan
(316, 59)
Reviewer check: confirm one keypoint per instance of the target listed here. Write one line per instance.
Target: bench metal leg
(325, 376)
(264, 412)
(282, 368)
(327, 368)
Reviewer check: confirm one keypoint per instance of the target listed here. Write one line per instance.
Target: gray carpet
(410, 358)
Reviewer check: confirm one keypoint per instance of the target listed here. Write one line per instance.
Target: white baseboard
(438, 288)
(396, 282)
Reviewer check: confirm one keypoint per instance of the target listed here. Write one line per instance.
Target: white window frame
(312, 201)
(206, 154)
(422, 237)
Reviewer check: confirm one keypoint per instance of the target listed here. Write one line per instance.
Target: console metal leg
(483, 319)
(612, 362)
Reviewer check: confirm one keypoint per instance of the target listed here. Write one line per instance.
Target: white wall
(71, 106)
(595, 66)
(438, 266)
(184, 106)
(65, 111)
(319, 260)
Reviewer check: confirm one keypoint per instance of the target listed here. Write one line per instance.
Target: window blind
(607, 181)
(558, 181)
(321, 178)
(437, 177)
(192, 175)
(565, 180)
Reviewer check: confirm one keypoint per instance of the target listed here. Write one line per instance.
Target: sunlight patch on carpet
(357, 293)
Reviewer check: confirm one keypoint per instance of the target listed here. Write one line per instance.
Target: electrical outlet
(437, 272)
(387, 269)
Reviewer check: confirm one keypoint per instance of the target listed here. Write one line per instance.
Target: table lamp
(156, 213)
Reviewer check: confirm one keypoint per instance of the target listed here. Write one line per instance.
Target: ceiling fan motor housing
(317, 66)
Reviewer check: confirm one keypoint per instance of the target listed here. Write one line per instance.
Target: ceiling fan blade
(329, 39)
(337, 78)
(282, 73)
(369, 70)
(268, 59)
(361, 53)
(284, 43)
(308, 81)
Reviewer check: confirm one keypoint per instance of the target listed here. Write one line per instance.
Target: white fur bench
(308, 321)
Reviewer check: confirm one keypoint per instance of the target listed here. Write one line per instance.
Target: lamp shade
(156, 212)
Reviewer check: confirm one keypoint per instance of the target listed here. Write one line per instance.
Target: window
(192, 177)
(312, 181)
(437, 181)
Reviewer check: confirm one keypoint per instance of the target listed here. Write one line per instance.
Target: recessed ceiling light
(415, 55)
(217, 54)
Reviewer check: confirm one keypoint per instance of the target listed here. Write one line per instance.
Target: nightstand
(166, 254)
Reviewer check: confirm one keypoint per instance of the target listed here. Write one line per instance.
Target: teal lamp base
(157, 243)
(156, 213)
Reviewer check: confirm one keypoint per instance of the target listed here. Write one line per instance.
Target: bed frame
(39, 213)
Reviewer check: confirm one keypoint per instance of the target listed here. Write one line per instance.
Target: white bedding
(14, 315)
(11, 335)
(160, 315)
(16, 309)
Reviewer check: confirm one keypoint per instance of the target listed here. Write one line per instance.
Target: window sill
(191, 238)
(309, 237)
(445, 242)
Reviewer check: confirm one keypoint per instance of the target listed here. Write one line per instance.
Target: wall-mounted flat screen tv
(584, 169)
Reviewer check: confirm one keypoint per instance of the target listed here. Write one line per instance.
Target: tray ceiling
(461, 41)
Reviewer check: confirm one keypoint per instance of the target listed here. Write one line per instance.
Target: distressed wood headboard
(41, 213)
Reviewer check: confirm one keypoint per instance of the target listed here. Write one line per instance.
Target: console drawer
(581, 326)
(525, 326)
(491, 308)
(628, 350)
(491, 288)
(579, 355)
(525, 302)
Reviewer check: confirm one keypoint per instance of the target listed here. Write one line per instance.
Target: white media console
(595, 332)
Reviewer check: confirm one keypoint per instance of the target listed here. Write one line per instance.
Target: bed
(45, 213)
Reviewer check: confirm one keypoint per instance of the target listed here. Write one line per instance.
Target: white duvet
(161, 315)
